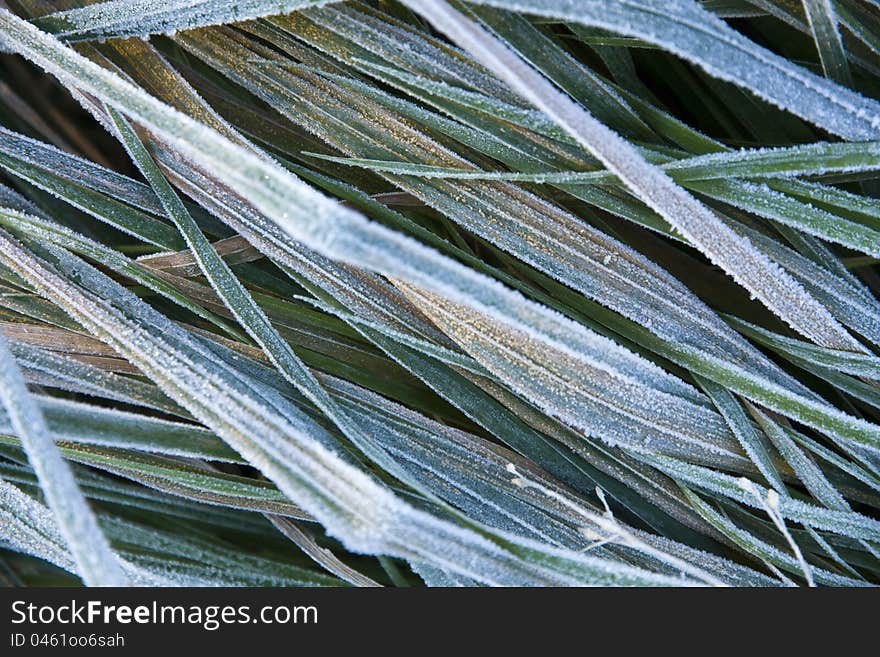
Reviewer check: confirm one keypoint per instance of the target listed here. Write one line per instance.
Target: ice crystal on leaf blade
(144, 17)
(685, 28)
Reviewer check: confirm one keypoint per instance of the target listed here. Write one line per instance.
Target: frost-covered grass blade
(487, 292)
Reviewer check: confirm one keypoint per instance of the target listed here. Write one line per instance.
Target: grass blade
(95, 563)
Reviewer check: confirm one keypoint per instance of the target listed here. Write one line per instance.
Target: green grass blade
(823, 24)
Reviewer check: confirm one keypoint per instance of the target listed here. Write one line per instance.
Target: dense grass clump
(488, 292)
